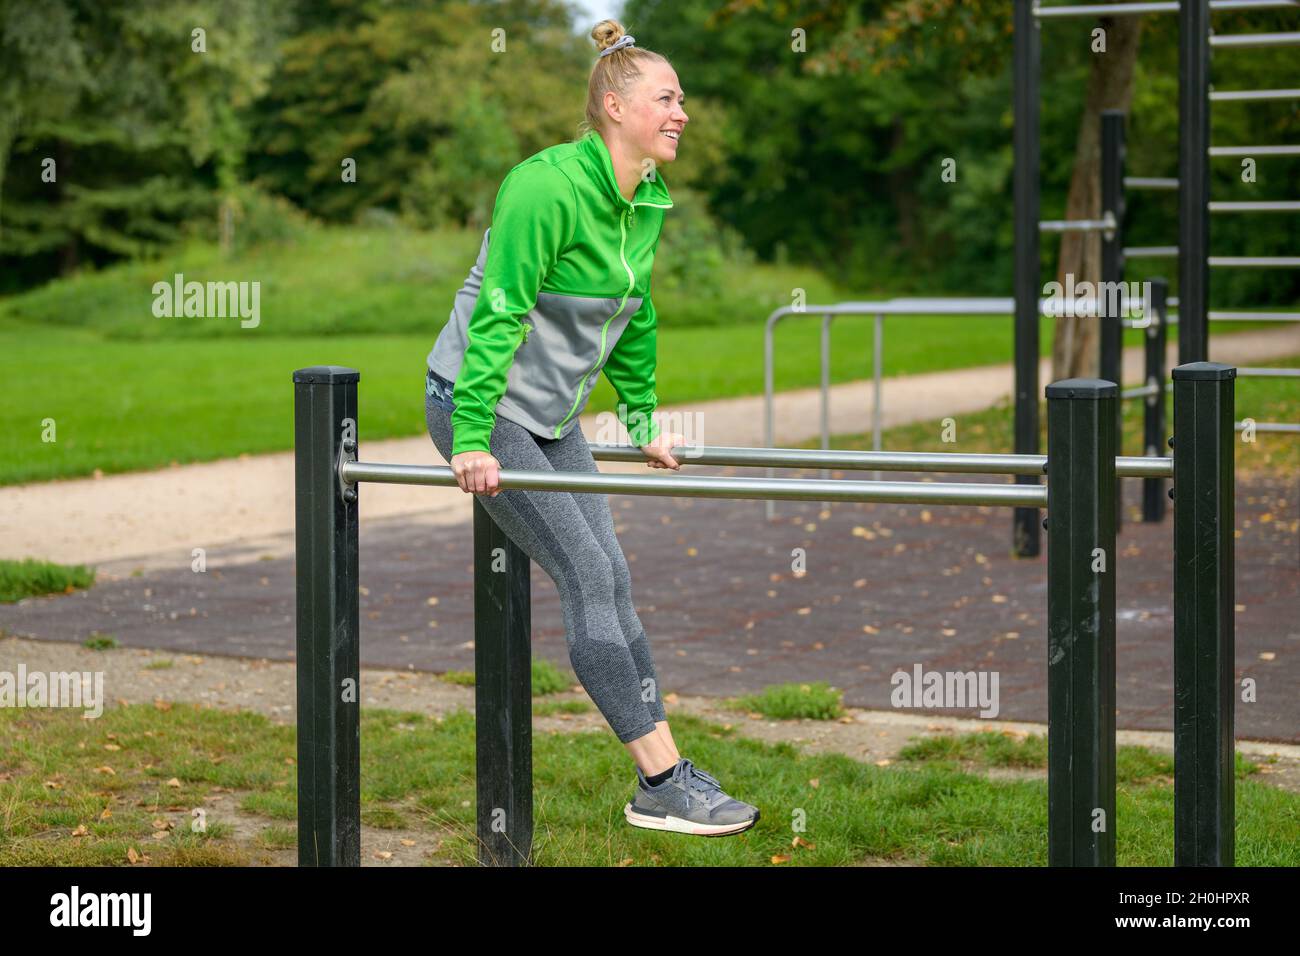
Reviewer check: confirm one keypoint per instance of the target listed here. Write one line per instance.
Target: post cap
(1204, 372)
(1093, 388)
(326, 375)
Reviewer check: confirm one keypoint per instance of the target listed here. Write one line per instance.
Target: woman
(561, 292)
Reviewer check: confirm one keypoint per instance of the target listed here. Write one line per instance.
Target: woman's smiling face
(652, 115)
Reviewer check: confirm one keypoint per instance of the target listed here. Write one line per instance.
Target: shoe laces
(706, 784)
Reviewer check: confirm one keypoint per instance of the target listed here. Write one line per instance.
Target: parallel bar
(1248, 40)
(1194, 180)
(1273, 205)
(1291, 429)
(1026, 530)
(1134, 9)
(1153, 416)
(1286, 149)
(328, 620)
(1081, 570)
(692, 486)
(1250, 96)
(1204, 620)
(503, 695)
(1268, 372)
(1149, 182)
(1131, 466)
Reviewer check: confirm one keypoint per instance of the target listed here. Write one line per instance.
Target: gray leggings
(571, 535)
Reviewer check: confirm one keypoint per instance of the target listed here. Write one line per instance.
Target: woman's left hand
(657, 450)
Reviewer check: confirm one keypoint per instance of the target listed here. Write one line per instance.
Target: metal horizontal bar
(987, 306)
(1270, 427)
(1244, 40)
(1268, 372)
(1255, 262)
(1151, 252)
(1286, 149)
(1272, 205)
(950, 462)
(1149, 182)
(1077, 225)
(693, 486)
(1251, 96)
(1134, 9)
(943, 462)
(1217, 262)
(1236, 316)
(1142, 391)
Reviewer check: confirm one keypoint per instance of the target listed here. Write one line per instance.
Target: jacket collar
(654, 192)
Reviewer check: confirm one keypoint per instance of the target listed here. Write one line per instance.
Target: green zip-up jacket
(560, 293)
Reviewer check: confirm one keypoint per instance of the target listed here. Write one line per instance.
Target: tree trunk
(902, 186)
(69, 256)
(1075, 344)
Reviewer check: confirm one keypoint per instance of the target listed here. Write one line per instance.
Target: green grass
(814, 701)
(30, 577)
(934, 805)
(96, 382)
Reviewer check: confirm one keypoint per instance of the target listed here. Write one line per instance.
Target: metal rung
(1231, 316)
(1248, 96)
(1217, 262)
(1270, 427)
(1255, 262)
(1268, 372)
(1141, 391)
(1287, 149)
(1105, 224)
(1151, 252)
(1274, 205)
(1134, 9)
(1149, 182)
(1243, 40)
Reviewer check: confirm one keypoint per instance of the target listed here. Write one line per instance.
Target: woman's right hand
(476, 472)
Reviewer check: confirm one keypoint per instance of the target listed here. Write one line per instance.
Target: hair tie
(624, 40)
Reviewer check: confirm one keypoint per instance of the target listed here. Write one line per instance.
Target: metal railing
(985, 306)
(1081, 473)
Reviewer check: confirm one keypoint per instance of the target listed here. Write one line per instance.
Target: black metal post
(1204, 635)
(328, 628)
(1081, 622)
(1026, 50)
(503, 695)
(1153, 418)
(1112, 298)
(1193, 180)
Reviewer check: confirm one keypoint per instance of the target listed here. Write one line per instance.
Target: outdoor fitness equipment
(1079, 496)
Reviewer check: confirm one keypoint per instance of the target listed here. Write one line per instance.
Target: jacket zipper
(624, 221)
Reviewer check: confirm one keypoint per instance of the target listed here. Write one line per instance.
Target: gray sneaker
(690, 801)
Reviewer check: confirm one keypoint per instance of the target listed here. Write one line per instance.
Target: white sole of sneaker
(674, 824)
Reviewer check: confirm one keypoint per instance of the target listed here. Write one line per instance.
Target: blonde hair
(617, 72)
